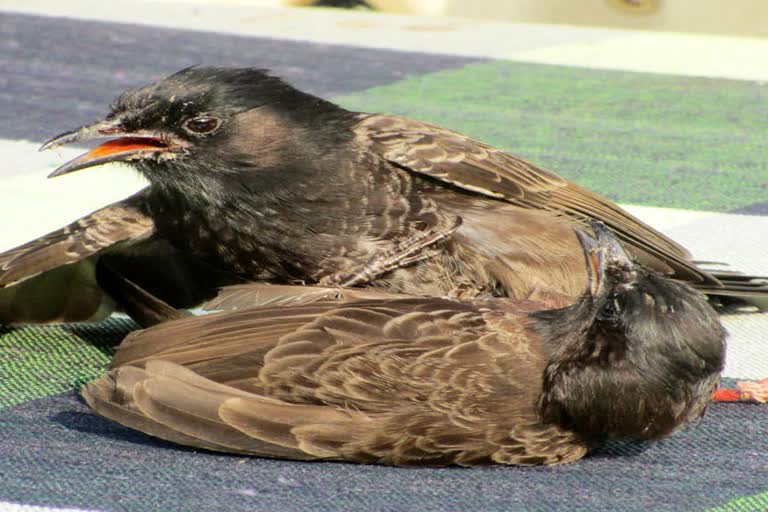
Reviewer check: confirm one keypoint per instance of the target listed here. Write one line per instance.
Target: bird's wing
(476, 167)
(402, 381)
(124, 221)
(230, 298)
(53, 278)
(304, 311)
(171, 402)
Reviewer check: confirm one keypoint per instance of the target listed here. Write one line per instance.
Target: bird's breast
(259, 243)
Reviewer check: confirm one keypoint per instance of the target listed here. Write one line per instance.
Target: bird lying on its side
(253, 180)
(426, 381)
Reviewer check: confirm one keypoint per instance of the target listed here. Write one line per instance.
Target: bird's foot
(745, 391)
(406, 253)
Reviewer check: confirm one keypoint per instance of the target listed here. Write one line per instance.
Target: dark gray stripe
(56, 452)
(59, 73)
(753, 209)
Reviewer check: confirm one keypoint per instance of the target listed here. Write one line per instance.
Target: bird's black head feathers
(198, 127)
(636, 358)
(209, 90)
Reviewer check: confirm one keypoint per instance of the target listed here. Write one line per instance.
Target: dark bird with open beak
(373, 378)
(253, 180)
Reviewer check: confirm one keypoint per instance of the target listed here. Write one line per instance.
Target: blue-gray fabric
(56, 452)
(71, 75)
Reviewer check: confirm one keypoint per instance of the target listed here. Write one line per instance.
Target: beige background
(737, 17)
(732, 17)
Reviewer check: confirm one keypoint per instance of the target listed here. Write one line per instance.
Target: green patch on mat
(41, 361)
(656, 140)
(756, 503)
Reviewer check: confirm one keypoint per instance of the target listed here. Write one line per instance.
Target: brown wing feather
(79, 272)
(112, 397)
(119, 222)
(172, 403)
(398, 381)
(471, 165)
(248, 295)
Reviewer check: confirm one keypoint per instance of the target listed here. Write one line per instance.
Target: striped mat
(685, 154)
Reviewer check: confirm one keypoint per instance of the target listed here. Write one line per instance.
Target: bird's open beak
(594, 259)
(127, 146)
(601, 249)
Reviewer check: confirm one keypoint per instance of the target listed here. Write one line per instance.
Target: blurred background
(735, 17)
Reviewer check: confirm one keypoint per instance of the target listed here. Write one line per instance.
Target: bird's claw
(408, 252)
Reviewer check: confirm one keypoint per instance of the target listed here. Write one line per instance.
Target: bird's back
(415, 381)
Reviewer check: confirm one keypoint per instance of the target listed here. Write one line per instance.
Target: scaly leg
(408, 252)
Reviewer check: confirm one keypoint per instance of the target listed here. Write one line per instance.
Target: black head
(208, 120)
(637, 356)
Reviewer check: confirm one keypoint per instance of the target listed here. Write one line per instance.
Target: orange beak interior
(125, 144)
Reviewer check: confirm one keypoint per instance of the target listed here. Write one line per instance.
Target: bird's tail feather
(751, 289)
(173, 403)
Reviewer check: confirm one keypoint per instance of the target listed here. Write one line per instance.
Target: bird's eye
(202, 125)
(610, 311)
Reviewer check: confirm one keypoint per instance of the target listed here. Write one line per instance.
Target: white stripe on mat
(14, 507)
(31, 206)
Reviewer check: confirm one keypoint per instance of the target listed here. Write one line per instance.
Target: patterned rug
(687, 153)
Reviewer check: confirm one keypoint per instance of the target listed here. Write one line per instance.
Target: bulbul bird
(254, 180)
(373, 377)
